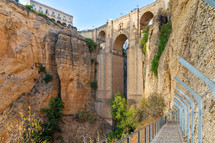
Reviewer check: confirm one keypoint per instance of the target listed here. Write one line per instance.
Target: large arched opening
(119, 69)
(146, 20)
(101, 37)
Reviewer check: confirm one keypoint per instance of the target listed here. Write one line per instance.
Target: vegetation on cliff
(91, 44)
(43, 131)
(54, 114)
(30, 128)
(94, 84)
(124, 116)
(47, 77)
(151, 107)
(84, 116)
(144, 39)
(128, 118)
(164, 35)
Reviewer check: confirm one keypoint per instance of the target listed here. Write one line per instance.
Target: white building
(57, 15)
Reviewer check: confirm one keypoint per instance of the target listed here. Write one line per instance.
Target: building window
(40, 9)
(64, 18)
(33, 6)
(47, 12)
(59, 16)
(70, 20)
(53, 14)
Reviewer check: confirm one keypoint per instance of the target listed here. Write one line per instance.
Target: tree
(125, 117)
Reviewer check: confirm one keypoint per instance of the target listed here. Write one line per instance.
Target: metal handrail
(154, 128)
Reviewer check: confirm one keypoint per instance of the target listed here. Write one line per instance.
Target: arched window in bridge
(146, 20)
(101, 37)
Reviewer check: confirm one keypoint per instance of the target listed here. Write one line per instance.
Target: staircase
(170, 133)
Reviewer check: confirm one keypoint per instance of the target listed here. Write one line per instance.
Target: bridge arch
(119, 66)
(145, 19)
(119, 39)
(101, 36)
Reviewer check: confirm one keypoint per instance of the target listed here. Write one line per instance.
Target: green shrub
(42, 69)
(92, 61)
(143, 110)
(54, 114)
(164, 37)
(156, 105)
(52, 19)
(91, 44)
(144, 39)
(43, 15)
(48, 78)
(124, 116)
(144, 48)
(84, 116)
(63, 24)
(91, 117)
(33, 131)
(153, 107)
(94, 85)
(43, 132)
(29, 7)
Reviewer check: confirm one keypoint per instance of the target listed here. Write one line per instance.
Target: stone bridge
(110, 73)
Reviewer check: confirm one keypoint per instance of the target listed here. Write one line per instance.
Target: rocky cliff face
(27, 40)
(193, 39)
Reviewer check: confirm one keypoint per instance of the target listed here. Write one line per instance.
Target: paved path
(170, 133)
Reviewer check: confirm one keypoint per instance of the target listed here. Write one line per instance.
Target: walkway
(170, 133)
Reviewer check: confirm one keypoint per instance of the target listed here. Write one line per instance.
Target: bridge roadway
(170, 133)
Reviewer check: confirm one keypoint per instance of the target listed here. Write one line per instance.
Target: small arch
(101, 37)
(64, 23)
(59, 21)
(146, 19)
(69, 25)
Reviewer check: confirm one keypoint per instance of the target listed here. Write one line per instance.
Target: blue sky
(89, 14)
